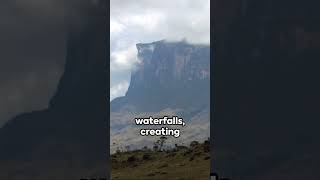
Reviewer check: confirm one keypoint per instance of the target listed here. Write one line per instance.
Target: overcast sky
(33, 52)
(32, 43)
(143, 21)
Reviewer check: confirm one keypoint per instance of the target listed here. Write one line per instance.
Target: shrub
(131, 159)
(146, 157)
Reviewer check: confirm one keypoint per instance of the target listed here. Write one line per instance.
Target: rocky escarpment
(171, 78)
(167, 75)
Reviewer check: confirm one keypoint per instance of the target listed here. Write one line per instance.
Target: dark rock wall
(75, 126)
(266, 88)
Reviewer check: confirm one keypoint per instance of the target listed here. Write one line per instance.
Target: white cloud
(123, 59)
(118, 90)
(143, 21)
(115, 27)
(148, 21)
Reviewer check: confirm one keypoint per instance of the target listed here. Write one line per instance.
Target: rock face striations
(167, 74)
(170, 78)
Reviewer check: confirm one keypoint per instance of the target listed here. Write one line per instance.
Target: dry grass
(180, 165)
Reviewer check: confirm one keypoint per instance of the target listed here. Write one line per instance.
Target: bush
(146, 157)
(131, 159)
(194, 144)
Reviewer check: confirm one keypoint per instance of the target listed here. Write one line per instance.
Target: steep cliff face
(265, 90)
(167, 75)
(84, 81)
(171, 78)
(67, 139)
(166, 64)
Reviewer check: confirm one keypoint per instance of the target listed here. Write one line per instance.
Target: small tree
(162, 141)
(127, 148)
(194, 144)
(207, 145)
(155, 147)
(145, 148)
(158, 145)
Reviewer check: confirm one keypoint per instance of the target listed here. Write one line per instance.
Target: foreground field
(179, 164)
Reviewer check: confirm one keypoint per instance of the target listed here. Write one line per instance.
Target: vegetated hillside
(183, 163)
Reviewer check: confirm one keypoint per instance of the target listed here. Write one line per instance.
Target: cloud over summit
(143, 21)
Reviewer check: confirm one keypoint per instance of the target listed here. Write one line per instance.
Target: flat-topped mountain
(170, 78)
(167, 75)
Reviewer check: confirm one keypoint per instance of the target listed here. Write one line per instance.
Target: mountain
(166, 76)
(171, 78)
(66, 140)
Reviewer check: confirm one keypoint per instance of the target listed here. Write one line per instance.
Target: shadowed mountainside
(266, 89)
(66, 140)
